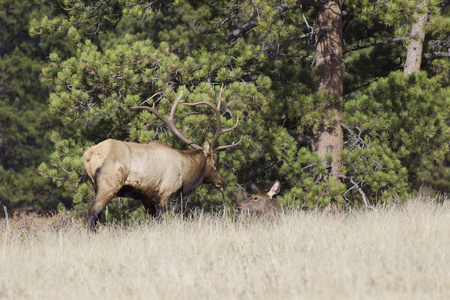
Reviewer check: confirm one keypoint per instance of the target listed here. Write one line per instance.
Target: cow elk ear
(206, 147)
(275, 189)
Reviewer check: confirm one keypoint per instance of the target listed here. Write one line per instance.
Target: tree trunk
(415, 47)
(329, 62)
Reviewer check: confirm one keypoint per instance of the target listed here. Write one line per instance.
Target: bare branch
(358, 188)
(357, 138)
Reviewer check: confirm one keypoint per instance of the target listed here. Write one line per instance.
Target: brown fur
(153, 173)
(262, 203)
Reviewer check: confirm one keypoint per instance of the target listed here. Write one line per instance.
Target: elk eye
(255, 198)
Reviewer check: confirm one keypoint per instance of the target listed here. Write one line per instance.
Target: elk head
(264, 202)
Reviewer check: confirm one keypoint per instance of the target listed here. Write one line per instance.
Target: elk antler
(219, 129)
(170, 121)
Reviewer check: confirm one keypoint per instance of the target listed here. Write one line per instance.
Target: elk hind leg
(163, 205)
(102, 198)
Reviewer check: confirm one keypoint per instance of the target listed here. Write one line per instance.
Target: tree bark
(329, 62)
(415, 47)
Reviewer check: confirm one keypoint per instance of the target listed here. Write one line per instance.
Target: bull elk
(153, 173)
(262, 203)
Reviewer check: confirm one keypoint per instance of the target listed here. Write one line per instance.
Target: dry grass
(26, 224)
(395, 253)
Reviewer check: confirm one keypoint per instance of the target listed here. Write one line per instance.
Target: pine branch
(300, 37)
(397, 39)
(434, 55)
(238, 32)
(315, 3)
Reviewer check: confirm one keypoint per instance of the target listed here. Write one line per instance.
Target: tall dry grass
(394, 253)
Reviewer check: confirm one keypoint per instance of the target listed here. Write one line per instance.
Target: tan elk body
(262, 203)
(153, 173)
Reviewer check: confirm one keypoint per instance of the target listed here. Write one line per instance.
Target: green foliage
(398, 123)
(148, 53)
(389, 13)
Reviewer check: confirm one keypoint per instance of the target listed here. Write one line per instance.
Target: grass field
(389, 253)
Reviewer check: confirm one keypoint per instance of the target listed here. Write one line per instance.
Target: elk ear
(275, 189)
(206, 147)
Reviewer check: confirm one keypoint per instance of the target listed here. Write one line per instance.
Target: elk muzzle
(219, 183)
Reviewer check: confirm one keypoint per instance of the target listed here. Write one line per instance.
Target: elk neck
(193, 170)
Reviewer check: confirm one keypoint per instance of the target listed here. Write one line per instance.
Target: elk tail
(86, 159)
(88, 155)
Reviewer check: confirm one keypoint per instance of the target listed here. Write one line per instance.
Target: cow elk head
(262, 203)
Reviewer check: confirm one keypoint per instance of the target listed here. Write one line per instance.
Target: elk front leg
(151, 208)
(156, 207)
